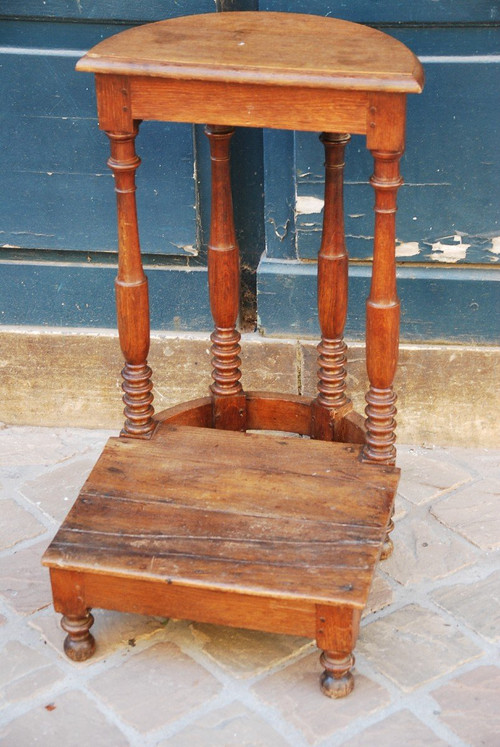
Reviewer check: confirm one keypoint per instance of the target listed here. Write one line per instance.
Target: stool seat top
(258, 47)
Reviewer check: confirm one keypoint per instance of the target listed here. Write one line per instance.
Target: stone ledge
(448, 395)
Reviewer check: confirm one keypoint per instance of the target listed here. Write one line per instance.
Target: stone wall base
(447, 394)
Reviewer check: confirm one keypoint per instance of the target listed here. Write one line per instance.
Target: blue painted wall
(57, 213)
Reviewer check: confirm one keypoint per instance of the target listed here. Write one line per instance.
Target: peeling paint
(188, 248)
(449, 252)
(279, 231)
(307, 204)
(495, 245)
(410, 249)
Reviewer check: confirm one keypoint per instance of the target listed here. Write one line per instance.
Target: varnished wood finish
(79, 643)
(259, 48)
(223, 281)
(382, 314)
(131, 287)
(249, 495)
(332, 401)
(191, 518)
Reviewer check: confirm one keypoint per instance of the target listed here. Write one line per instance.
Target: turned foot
(79, 644)
(337, 680)
(388, 545)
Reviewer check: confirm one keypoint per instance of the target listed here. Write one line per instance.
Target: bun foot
(79, 644)
(388, 545)
(337, 680)
(387, 548)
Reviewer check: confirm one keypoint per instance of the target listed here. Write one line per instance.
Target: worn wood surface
(255, 48)
(246, 513)
(223, 281)
(212, 509)
(332, 295)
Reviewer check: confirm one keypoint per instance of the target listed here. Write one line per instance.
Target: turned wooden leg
(382, 322)
(388, 545)
(382, 315)
(337, 631)
(79, 644)
(131, 286)
(68, 592)
(229, 405)
(337, 680)
(332, 402)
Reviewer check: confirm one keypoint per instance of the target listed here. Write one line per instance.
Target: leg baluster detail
(132, 301)
(79, 644)
(226, 362)
(337, 680)
(382, 320)
(332, 372)
(229, 404)
(137, 398)
(332, 401)
(380, 425)
(388, 545)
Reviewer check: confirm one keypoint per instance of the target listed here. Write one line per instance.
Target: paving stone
(424, 550)
(43, 446)
(485, 462)
(413, 645)
(24, 582)
(226, 727)
(155, 687)
(111, 630)
(424, 478)
(400, 728)
(56, 491)
(24, 673)
(474, 512)
(246, 653)
(17, 524)
(70, 719)
(476, 603)
(380, 594)
(295, 692)
(469, 706)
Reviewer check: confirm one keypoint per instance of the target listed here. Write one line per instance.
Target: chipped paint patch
(495, 246)
(451, 253)
(188, 248)
(307, 204)
(410, 249)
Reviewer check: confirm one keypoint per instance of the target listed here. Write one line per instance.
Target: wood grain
(288, 518)
(247, 47)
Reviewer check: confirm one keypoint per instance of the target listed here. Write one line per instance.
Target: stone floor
(427, 671)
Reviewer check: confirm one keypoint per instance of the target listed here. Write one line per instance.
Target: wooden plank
(201, 470)
(286, 293)
(263, 515)
(274, 412)
(345, 584)
(79, 294)
(61, 195)
(254, 48)
(176, 557)
(113, 10)
(291, 616)
(248, 105)
(170, 523)
(386, 11)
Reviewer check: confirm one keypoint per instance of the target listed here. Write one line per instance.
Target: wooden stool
(186, 514)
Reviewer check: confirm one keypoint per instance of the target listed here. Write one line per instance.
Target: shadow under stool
(187, 514)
